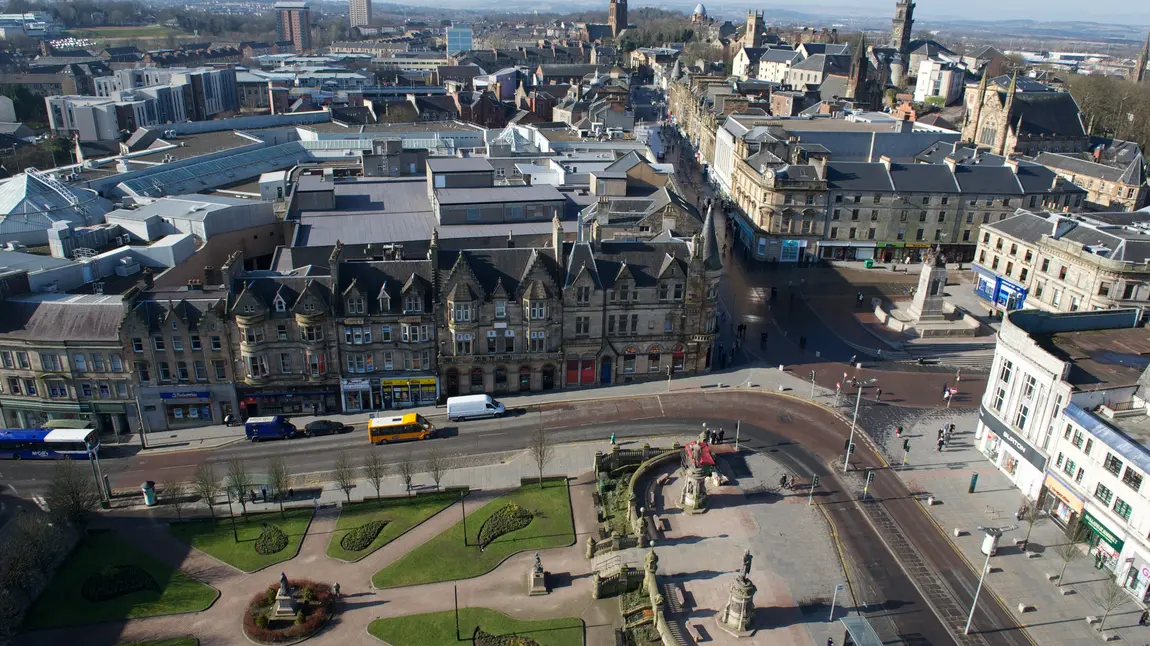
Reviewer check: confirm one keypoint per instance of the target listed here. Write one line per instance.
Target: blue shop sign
(1005, 294)
(186, 394)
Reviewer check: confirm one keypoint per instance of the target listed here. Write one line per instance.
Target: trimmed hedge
(361, 537)
(510, 518)
(481, 638)
(116, 581)
(271, 540)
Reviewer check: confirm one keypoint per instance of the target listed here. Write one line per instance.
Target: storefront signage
(357, 383)
(918, 245)
(1063, 493)
(353, 321)
(186, 394)
(1020, 446)
(791, 250)
(414, 381)
(1102, 531)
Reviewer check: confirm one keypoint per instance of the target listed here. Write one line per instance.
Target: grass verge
(62, 604)
(445, 557)
(215, 537)
(438, 628)
(399, 514)
(175, 641)
(144, 31)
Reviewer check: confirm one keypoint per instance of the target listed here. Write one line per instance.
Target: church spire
(1138, 74)
(1004, 127)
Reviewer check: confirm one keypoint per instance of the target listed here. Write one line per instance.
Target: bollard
(781, 368)
(818, 354)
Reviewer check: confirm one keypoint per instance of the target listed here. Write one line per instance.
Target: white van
(473, 407)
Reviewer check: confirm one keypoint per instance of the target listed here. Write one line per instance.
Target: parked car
(325, 427)
(473, 407)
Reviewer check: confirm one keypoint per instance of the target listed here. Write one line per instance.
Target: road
(889, 538)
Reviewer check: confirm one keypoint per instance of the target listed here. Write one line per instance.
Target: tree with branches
(174, 493)
(239, 480)
(407, 469)
(1032, 515)
(279, 480)
(541, 450)
(72, 495)
(435, 465)
(1109, 596)
(1071, 550)
(207, 487)
(374, 471)
(344, 473)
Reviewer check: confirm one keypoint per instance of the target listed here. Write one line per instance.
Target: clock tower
(901, 26)
(617, 17)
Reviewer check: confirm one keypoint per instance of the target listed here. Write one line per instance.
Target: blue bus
(48, 444)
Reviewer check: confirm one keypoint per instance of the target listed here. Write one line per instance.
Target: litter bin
(149, 489)
(869, 264)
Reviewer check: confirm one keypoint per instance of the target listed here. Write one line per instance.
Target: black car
(325, 427)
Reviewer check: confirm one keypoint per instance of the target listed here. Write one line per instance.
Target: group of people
(944, 434)
(711, 436)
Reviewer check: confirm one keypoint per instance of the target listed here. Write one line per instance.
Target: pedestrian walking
(612, 438)
(854, 359)
(830, 641)
(898, 432)
(941, 432)
(335, 589)
(878, 395)
(783, 481)
(958, 375)
(722, 434)
(1144, 618)
(940, 443)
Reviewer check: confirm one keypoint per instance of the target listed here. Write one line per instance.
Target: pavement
(1014, 576)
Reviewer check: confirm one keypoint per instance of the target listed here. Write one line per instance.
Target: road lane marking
(40, 502)
(660, 400)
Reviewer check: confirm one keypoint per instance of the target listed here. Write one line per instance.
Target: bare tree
(207, 487)
(73, 495)
(374, 471)
(541, 450)
(407, 469)
(239, 480)
(1033, 515)
(19, 571)
(47, 538)
(9, 615)
(174, 492)
(278, 479)
(1110, 596)
(344, 474)
(1069, 551)
(435, 465)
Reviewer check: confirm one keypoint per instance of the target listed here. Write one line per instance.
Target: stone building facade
(1012, 115)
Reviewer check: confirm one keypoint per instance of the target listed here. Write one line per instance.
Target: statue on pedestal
(285, 606)
(747, 558)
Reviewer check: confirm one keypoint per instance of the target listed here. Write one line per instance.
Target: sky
(1124, 12)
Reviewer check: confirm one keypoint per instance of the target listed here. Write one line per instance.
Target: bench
(652, 530)
(697, 632)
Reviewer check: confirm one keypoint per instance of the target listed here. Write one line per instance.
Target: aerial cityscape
(609, 325)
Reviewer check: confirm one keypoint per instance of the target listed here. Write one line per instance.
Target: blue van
(275, 427)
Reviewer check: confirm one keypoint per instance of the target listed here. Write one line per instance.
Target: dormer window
(309, 307)
(537, 310)
(460, 312)
(583, 295)
(500, 309)
(412, 303)
(249, 309)
(355, 305)
(384, 302)
(281, 306)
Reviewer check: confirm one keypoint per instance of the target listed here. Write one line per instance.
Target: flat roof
(459, 165)
(1101, 359)
(196, 144)
(397, 128)
(536, 193)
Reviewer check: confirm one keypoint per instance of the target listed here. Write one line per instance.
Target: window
(854, 214)
(1009, 267)
(56, 388)
(116, 363)
(1089, 446)
(677, 292)
(158, 343)
(389, 360)
(851, 234)
(628, 364)
(360, 362)
(634, 324)
(874, 215)
(312, 333)
(1029, 383)
(1078, 439)
(492, 342)
(142, 372)
(941, 216)
(1104, 289)
(538, 342)
(583, 295)
(966, 235)
(79, 363)
(14, 385)
(122, 389)
(220, 368)
(1045, 265)
(30, 387)
(281, 332)
(1068, 467)
(999, 396)
(1122, 508)
(538, 311)
(1038, 288)
(356, 335)
(385, 334)
(86, 389)
(215, 343)
(920, 235)
(937, 235)
(1005, 371)
(196, 345)
(653, 362)
(663, 291)
(1101, 492)
(6, 359)
(49, 361)
(461, 312)
(836, 213)
(1078, 477)
(463, 344)
(182, 370)
(610, 324)
(1112, 464)
(252, 334)
(582, 325)
(669, 323)
(257, 366)
(1020, 417)
(500, 309)
(355, 305)
(1132, 479)
(1075, 303)
(922, 216)
(412, 303)
(1022, 274)
(201, 370)
(834, 232)
(98, 362)
(1062, 273)
(281, 306)
(165, 371)
(285, 363)
(994, 264)
(317, 363)
(985, 238)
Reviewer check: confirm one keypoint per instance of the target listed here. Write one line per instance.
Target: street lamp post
(974, 604)
(988, 545)
(854, 424)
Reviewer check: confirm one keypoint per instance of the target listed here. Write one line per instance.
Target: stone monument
(285, 607)
(537, 579)
(736, 617)
(928, 304)
(693, 500)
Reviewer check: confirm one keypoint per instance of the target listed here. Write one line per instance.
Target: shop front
(793, 251)
(356, 393)
(1061, 503)
(289, 401)
(846, 250)
(1003, 294)
(188, 408)
(409, 392)
(1105, 546)
(1136, 578)
(1013, 455)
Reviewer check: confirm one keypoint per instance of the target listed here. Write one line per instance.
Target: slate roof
(923, 178)
(1047, 113)
(497, 267)
(62, 317)
(987, 180)
(643, 260)
(858, 176)
(1023, 225)
(1080, 166)
(779, 55)
(393, 277)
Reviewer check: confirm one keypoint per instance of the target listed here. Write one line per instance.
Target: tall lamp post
(989, 545)
(854, 423)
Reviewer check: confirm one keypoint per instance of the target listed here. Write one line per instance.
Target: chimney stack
(950, 163)
(885, 161)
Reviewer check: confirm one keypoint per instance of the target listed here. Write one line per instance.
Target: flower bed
(314, 601)
(116, 581)
(361, 537)
(271, 540)
(510, 518)
(481, 638)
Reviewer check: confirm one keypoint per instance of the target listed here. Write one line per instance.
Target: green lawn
(400, 514)
(143, 31)
(61, 604)
(445, 558)
(177, 641)
(438, 628)
(215, 537)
